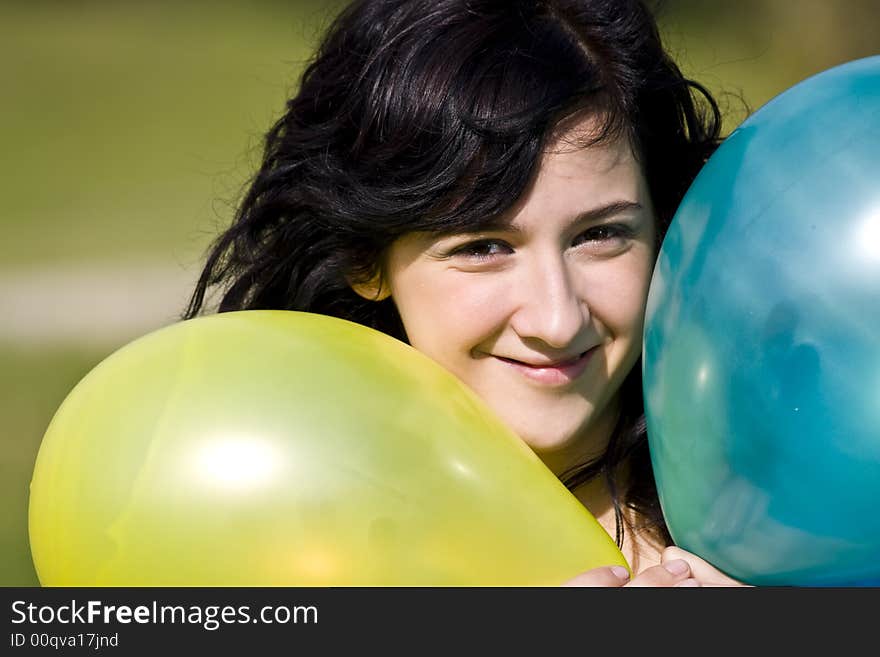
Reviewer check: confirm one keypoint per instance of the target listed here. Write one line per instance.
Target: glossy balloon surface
(276, 448)
(762, 343)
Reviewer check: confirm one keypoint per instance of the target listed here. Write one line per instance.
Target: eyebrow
(589, 216)
(609, 210)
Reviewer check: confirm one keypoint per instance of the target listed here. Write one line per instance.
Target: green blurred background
(128, 130)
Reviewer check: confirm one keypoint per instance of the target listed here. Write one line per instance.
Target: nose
(549, 307)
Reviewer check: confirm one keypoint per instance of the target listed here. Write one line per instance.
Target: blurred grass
(755, 49)
(128, 119)
(33, 383)
(132, 127)
(129, 129)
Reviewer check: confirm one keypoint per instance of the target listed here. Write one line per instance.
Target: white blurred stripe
(98, 304)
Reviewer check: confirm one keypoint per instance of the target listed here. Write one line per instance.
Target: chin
(560, 447)
(542, 441)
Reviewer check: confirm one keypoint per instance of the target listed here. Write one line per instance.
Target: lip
(554, 374)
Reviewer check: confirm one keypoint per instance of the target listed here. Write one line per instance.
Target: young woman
(489, 180)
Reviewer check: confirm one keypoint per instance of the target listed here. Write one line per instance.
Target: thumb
(701, 570)
(606, 576)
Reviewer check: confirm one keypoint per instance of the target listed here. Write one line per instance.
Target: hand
(702, 571)
(677, 568)
(675, 572)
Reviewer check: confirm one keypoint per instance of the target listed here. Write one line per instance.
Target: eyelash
(602, 233)
(611, 231)
(473, 249)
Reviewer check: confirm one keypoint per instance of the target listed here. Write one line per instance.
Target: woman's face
(542, 318)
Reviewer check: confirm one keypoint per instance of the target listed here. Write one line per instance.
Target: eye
(482, 249)
(605, 235)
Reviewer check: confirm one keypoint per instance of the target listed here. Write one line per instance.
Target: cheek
(449, 313)
(619, 298)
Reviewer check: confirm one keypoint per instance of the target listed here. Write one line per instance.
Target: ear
(373, 290)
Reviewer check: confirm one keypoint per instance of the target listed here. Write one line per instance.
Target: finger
(674, 572)
(607, 576)
(702, 570)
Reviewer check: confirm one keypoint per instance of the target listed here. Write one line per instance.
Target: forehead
(573, 177)
(588, 139)
(593, 166)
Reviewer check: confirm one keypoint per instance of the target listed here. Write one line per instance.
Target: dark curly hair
(431, 115)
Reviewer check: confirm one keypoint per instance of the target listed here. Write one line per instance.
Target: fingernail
(690, 581)
(677, 566)
(620, 572)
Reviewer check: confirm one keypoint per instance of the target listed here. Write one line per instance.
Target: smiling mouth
(559, 373)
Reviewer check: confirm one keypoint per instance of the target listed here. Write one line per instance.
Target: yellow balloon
(281, 448)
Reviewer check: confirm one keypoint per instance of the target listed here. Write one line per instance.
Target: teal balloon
(762, 343)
